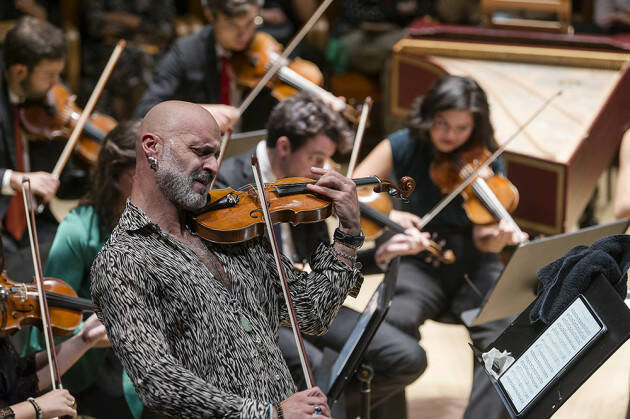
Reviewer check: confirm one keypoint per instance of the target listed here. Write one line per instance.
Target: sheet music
(549, 354)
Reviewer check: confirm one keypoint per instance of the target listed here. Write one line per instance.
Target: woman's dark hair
(118, 153)
(32, 40)
(302, 117)
(230, 8)
(454, 93)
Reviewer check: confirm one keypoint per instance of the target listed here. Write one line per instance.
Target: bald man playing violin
(195, 324)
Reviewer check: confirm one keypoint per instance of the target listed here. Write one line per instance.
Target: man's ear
(151, 145)
(283, 146)
(18, 73)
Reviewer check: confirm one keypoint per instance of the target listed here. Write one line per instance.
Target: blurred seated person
(367, 30)
(612, 16)
(148, 26)
(34, 56)
(197, 67)
(621, 206)
(304, 132)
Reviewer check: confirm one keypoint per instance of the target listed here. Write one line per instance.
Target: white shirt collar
(264, 162)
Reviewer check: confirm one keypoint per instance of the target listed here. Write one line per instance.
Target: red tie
(224, 93)
(15, 219)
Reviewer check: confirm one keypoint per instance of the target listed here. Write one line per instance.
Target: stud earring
(153, 162)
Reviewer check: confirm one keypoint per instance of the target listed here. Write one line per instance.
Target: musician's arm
(70, 351)
(621, 207)
(379, 162)
(316, 295)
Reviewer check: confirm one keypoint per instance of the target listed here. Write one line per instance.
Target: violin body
(19, 306)
(447, 173)
(292, 77)
(236, 216)
(57, 117)
(379, 202)
(240, 218)
(250, 66)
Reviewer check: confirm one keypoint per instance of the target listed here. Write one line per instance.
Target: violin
(235, 216)
(486, 200)
(19, 306)
(57, 117)
(293, 75)
(374, 217)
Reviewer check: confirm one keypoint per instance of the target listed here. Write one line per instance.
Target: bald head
(173, 118)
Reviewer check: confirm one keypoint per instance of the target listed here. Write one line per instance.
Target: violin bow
(280, 61)
(473, 175)
(224, 143)
(358, 138)
(37, 267)
(306, 367)
(87, 111)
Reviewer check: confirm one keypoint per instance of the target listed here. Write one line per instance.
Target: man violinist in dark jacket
(197, 67)
(34, 56)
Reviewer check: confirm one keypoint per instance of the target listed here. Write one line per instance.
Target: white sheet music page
(549, 354)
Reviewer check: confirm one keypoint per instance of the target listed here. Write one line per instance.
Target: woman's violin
(19, 306)
(293, 76)
(235, 216)
(487, 199)
(374, 218)
(57, 117)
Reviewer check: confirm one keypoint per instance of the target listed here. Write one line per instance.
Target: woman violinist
(452, 117)
(21, 379)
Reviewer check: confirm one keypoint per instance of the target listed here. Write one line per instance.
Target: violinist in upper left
(34, 56)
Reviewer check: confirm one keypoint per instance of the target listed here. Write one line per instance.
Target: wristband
(349, 240)
(38, 409)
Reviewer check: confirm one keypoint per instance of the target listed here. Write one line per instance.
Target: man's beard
(177, 187)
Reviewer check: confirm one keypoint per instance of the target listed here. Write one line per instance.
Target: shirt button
(277, 377)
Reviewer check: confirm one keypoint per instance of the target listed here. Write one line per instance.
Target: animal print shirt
(192, 347)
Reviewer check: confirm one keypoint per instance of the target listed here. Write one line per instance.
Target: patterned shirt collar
(134, 219)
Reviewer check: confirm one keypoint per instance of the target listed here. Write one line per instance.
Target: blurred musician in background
(303, 132)
(452, 116)
(197, 68)
(34, 55)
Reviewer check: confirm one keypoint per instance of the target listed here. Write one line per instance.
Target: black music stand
(336, 372)
(528, 397)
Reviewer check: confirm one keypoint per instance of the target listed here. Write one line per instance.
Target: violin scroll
(406, 187)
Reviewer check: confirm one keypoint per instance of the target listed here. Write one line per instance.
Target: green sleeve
(66, 259)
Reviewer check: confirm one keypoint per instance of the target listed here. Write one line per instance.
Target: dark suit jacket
(7, 138)
(188, 71)
(237, 171)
